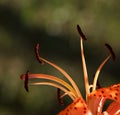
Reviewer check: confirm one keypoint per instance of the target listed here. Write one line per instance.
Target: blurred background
(52, 24)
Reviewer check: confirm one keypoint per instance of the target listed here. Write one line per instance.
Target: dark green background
(52, 23)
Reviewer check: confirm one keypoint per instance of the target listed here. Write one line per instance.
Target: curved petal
(114, 108)
(78, 107)
(98, 97)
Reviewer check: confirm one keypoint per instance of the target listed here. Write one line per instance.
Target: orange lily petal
(114, 108)
(78, 107)
(98, 97)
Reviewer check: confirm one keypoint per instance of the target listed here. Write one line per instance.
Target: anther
(26, 81)
(37, 54)
(59, 97)
(81, 33)
(111, 51)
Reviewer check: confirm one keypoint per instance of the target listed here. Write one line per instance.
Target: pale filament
(56, 80)
(84, 69)
(72, 96)
(98, 71)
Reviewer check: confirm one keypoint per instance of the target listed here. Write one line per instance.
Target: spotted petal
(113, 109)
(78, 107)
(97, 98)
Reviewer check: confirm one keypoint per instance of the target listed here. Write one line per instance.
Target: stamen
(83, 61)
(59, 97)
(98, 86)
(51, 78)
(70, 94)
(59, 69)
(37, 54)
(63, 95)
(90, 87)
(81, 33)
(111, 51)
(26, 81)
(101, 65)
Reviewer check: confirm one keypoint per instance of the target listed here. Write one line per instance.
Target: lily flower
(95, 97)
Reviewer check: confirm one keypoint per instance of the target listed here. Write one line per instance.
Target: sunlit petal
(114, 108)
(78, 107)
(98, 97)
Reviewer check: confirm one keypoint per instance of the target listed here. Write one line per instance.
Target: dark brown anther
(81, 33)
(59, 97)
(26, 81)
(37, 54)
(111, 51)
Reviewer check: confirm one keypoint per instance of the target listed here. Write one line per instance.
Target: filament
(52, 78)
(72, 96)
(98, 71)
(61, 70)
(84, 70)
